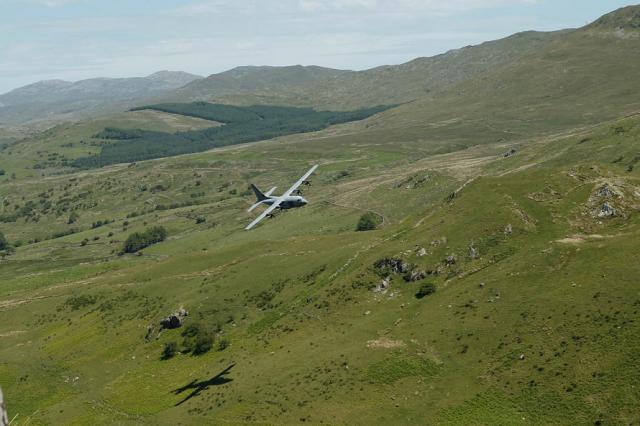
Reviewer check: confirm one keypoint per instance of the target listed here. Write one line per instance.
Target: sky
(78, 39)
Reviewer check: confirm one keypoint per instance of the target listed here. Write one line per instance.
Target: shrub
(170, 350)
(77, 302)
(4, 244)
(202, 344)
(198, 339)
(73, 217)
(368, 222)
(223, 344)
(139, 240)
(426, 290)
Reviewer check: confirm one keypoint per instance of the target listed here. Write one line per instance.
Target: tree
(368, 222)
(139, 240)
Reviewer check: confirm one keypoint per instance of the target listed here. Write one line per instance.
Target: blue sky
(77, 39)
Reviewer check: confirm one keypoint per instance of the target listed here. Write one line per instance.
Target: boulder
(383, 286)
(474, 253)
(605, 191)
(450, 260)
(415, 275)
(606, 211)
(508, 230)
(509, 153)
(421, 252)
(392, 265)
(174, 320)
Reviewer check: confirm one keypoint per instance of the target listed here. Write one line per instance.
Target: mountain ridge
(59, 99)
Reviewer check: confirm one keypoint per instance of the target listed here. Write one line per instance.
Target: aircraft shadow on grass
(203, 385)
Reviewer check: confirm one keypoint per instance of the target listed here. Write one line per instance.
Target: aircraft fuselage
(289, 202)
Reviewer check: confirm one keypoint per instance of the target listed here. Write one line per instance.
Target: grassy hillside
(519, 330)
(498, 288)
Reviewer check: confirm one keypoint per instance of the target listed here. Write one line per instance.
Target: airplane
(284, 202)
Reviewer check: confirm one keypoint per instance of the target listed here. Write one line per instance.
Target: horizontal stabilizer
(254, 206)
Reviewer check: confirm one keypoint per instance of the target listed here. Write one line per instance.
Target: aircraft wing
(264, 214)
(299, 182)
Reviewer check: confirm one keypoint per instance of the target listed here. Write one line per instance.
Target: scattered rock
(383, 286)
(508, 230)
(509, 153)
(415, 275)
(385, 343)
(605, 191)
(606, 211)
(450, 260)
(150, 329)
(392, 265)
(474, 253)
(421, 252)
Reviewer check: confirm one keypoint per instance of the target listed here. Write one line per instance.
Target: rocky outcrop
(509, 153)
(174, 320)
(415, 275)
(606, 211)
(391, 265)
(606, 191)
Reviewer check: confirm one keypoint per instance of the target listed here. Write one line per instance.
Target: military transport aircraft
(285, 201)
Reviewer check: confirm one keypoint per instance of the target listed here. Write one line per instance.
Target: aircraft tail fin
(259, 195)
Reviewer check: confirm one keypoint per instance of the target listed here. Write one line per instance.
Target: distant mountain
(55, 100)
(577, 78)
(335, 89)
(250, 81)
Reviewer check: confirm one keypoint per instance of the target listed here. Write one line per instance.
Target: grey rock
(510, 153)
(607, 211)
(474, 253)
(450, 260)
(393, 265)
(174, 320)
(605, 191)
(415, 275)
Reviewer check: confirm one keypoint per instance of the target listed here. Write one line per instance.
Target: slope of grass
(518, 334)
